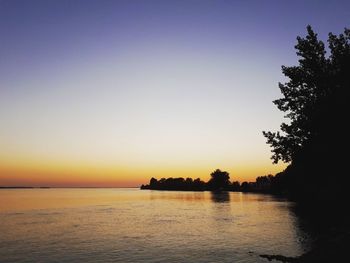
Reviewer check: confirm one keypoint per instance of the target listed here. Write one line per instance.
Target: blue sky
(140, 88)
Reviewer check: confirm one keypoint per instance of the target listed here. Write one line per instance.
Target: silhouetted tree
(235, 186)
(244, 186)
(263, 183)
(199, 184)
(314, 83)
(315, 100)
(153, 182)
(220, 180)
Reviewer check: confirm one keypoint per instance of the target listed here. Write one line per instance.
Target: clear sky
(110, 93)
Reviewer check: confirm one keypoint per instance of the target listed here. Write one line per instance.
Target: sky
(111, 93)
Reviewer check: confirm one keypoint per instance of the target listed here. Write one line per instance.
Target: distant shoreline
(18, 187)
(64, 187)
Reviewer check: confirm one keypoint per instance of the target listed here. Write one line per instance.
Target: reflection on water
(220, 197)
(129, 225)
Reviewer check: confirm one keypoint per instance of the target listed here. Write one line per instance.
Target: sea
(132, 225)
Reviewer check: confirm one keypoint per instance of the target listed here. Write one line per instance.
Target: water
(130, 225)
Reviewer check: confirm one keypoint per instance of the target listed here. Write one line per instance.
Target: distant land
(219, 181)
(49, 187)
(20, 187)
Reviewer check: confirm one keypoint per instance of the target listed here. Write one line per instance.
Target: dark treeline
(219, 181)
(179, 183)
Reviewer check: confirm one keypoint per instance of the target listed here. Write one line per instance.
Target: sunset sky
(111, 93)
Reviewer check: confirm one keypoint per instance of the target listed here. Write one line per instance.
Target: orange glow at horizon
(146, 114)
(54, 174)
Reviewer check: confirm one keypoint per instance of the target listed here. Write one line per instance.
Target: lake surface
(130, 225)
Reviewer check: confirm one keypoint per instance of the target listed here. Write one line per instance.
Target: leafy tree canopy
(315, 97)
(219, 179)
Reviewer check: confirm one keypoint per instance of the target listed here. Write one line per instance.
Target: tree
(235, 186)
(153, 182)
(314, 94)
(315, 100)
(219, 180)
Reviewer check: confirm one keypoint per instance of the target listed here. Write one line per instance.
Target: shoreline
(330, 247)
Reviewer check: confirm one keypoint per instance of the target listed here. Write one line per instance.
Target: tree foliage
(219, 179)
(315, 97)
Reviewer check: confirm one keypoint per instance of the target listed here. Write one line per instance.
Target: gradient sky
(110, 93)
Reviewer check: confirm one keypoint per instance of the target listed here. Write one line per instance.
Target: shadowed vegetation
(220, 180)
(315, 138)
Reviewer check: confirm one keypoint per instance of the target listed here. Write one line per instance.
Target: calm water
(130, 225)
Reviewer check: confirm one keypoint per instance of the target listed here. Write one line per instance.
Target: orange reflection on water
(31, 199)
(130, 225)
